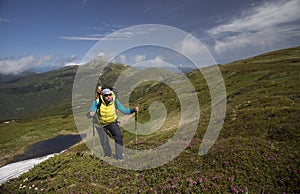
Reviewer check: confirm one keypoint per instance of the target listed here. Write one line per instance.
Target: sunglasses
(105, 95)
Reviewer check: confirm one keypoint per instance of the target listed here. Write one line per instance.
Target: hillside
(36, 94)
(32, 96)
(38, 107)
(256, 152)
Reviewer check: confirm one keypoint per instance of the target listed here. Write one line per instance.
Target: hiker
(104, 107)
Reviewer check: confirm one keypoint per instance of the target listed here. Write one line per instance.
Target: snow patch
(14, 170)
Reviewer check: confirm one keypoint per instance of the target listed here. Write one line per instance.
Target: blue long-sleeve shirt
(118, 104)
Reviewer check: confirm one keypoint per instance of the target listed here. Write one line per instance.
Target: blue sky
(46, 34)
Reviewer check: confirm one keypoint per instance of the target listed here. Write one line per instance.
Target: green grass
(234, 164)
(257, 150)
(16, 136)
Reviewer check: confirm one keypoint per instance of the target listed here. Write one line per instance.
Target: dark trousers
(116, 134)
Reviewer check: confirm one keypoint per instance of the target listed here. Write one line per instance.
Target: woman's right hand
(92, 113)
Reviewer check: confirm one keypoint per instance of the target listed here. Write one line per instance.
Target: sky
(40, 35)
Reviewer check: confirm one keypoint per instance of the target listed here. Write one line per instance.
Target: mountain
(257, 150)
(35, 93)
(32, 95)
(11, 77)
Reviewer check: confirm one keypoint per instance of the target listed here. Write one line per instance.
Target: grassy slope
(45, 94)
(256, 152)
(17, 136)
(38, 107)
(37, 95)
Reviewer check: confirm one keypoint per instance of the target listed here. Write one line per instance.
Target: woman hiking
(104, 107)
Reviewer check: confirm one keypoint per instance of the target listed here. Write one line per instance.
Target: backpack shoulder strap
(99, 104)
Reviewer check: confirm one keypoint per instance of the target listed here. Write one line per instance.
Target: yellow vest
(107, 113)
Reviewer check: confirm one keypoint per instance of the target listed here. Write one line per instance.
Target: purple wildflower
(230, 179)
(233, 189)
(201, 180)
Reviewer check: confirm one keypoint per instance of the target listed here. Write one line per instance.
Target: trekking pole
(94, 140)
(135, 128)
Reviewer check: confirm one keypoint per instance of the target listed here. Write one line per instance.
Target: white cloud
(190, 46)
(101, 56)
(159, 62)
(73, 57)
(122, 58)
(139, 58)
(158, 59)
(112, 34)
(118, 35)
(4, 20)
(71, 61)
(33, 63)
(80, 38)
(17, 66)
(72, 64)
(264, 26)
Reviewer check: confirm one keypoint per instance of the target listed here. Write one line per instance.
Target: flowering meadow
(257, 150)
